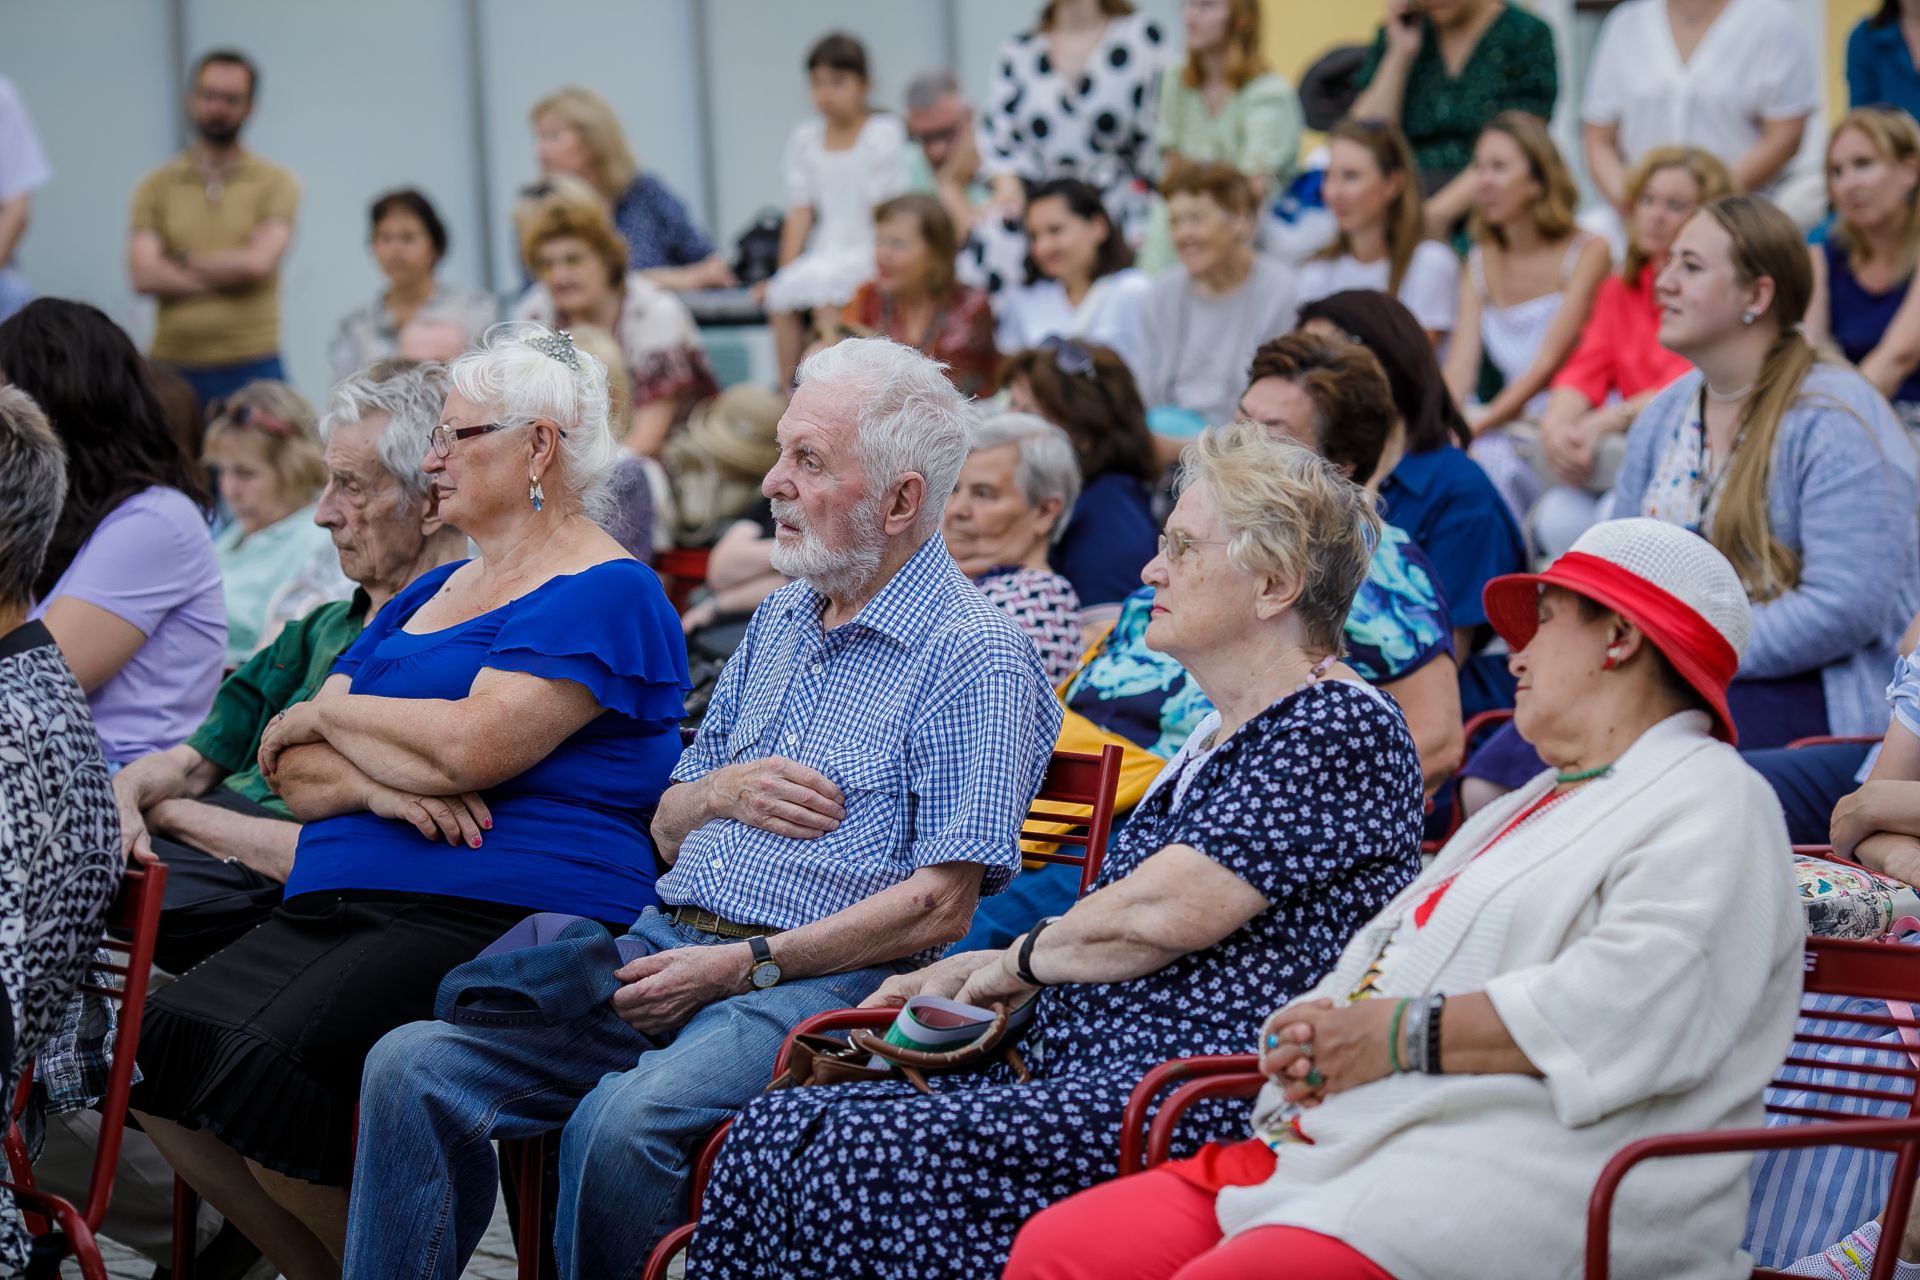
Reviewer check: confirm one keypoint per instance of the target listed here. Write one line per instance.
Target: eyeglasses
(1069, 357)
(446, 435)
(1175, 543)
(247, 415)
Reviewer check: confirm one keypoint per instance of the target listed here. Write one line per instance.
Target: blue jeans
(212, 382)
(635, 1109)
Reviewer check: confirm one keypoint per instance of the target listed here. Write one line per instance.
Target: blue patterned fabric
(1315, 802)
(1399, 622)
(655, 226)
(928, 709)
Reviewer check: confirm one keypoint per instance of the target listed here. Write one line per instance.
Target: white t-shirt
(23, 165)
(1753, 65)
(1109, 314)
(1430, 289)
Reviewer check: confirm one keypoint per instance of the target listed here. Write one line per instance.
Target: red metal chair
(682, 570)
(1874, 970)
(1476, 725)
(1834, 739)
(1085, 783)
(132, 923)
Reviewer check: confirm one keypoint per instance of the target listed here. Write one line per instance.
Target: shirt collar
(359, 604)
(898, 610)
(1415, 471)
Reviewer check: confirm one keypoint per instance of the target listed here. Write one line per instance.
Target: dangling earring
(535, 494)
(1749, 316)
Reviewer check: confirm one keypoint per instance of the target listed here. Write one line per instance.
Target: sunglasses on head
(1069, 357)
(247, 415)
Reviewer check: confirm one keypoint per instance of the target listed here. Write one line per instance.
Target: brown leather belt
(707, 922)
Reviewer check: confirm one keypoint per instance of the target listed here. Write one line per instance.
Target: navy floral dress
(1316, 802)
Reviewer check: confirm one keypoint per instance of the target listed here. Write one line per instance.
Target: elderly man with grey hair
(1010, 505)
(858, 782)
(203, 806)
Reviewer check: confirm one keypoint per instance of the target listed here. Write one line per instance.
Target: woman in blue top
(491, 746)
(1881, 68)
(1863, 298)
(1088, 392)
(1435, 492)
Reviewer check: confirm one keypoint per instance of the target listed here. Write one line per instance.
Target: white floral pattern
(1316, 802)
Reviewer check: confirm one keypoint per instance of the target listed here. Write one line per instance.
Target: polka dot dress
(1316, 803)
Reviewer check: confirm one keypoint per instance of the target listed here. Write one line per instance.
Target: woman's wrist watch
(1023, 958)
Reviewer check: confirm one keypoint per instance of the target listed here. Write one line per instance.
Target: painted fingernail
(487, 825)
(476, 842)
(1273, 1041)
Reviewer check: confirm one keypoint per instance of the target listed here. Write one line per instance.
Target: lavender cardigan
(1844, 497)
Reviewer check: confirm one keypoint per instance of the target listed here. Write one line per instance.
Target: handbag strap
(936, 1059)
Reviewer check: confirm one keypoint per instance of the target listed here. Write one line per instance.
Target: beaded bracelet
(1430, 1057)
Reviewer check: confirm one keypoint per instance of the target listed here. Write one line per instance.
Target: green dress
(1512, 68)
(1257, 131)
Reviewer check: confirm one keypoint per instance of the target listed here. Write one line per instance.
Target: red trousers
(1158, 1226)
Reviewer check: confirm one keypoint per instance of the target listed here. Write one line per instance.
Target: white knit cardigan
(1641, 940)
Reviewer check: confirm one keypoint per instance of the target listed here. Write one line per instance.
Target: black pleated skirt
(263, 1043)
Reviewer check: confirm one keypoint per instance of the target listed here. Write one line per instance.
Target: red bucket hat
(1673, 585)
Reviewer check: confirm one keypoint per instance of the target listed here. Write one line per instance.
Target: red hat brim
(1699, 653)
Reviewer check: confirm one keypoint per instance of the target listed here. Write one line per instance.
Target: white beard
(831, 571)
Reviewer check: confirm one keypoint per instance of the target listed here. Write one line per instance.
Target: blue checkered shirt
(929, 709)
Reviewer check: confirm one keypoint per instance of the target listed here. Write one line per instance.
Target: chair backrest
(681, 570)
(1076, 834)
(1845, 1082)
(132, 924)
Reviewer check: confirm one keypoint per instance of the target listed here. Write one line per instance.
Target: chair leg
(186, 1229)
(530, 1167)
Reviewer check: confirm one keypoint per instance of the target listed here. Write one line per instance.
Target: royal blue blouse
(1858, 317)
(1110, 536)
(1446, 504)
(570, 833)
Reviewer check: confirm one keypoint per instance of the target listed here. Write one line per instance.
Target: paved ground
(493, 1261)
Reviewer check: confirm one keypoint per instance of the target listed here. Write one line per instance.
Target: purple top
(151, 562)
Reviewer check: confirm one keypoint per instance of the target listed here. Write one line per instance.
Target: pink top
(1620, 349)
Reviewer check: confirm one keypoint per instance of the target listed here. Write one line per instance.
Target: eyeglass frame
(1174, 544)
(451, 435)
(247, 415)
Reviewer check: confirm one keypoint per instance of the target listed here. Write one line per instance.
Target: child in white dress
(838, 166)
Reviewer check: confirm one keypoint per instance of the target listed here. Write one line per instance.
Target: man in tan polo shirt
(210, 228)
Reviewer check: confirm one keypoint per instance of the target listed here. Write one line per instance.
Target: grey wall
(359, 96)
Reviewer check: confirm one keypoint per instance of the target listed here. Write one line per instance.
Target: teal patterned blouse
(1398, 624)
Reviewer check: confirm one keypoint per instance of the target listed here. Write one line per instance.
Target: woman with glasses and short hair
(492, 745)
(1087, 391)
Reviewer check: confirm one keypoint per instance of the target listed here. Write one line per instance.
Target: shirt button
(719, 864)
(816, 668)
(792, 738)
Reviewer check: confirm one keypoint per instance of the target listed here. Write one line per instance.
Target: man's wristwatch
(766, 970)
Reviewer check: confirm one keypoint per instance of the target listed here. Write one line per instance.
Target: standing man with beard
(210, 228)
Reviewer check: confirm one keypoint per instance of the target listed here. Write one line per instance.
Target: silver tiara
(558, 345)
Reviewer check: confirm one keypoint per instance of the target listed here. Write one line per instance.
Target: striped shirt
(928, 709)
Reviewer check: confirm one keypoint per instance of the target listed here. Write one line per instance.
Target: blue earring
(535, 494)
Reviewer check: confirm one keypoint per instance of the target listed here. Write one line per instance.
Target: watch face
(765, 974)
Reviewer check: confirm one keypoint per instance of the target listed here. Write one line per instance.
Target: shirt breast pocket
(747, 739)
(873, 789)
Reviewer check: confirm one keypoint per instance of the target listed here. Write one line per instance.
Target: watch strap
(762, 953)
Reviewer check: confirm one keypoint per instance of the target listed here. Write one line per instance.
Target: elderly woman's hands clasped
(1316, 1047)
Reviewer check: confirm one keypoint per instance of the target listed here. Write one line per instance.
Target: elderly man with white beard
(858, 782)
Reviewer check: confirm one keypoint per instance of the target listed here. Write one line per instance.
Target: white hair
(911, 418)
(410, 393)
(929, 87)
(519, 383)
(1048, 466)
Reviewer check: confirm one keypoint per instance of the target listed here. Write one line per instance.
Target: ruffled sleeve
(391, 617)
(610, 629)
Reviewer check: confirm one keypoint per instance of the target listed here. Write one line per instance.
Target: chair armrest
(1899, 1135)
(1133, 1122)
(1227, 1084)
